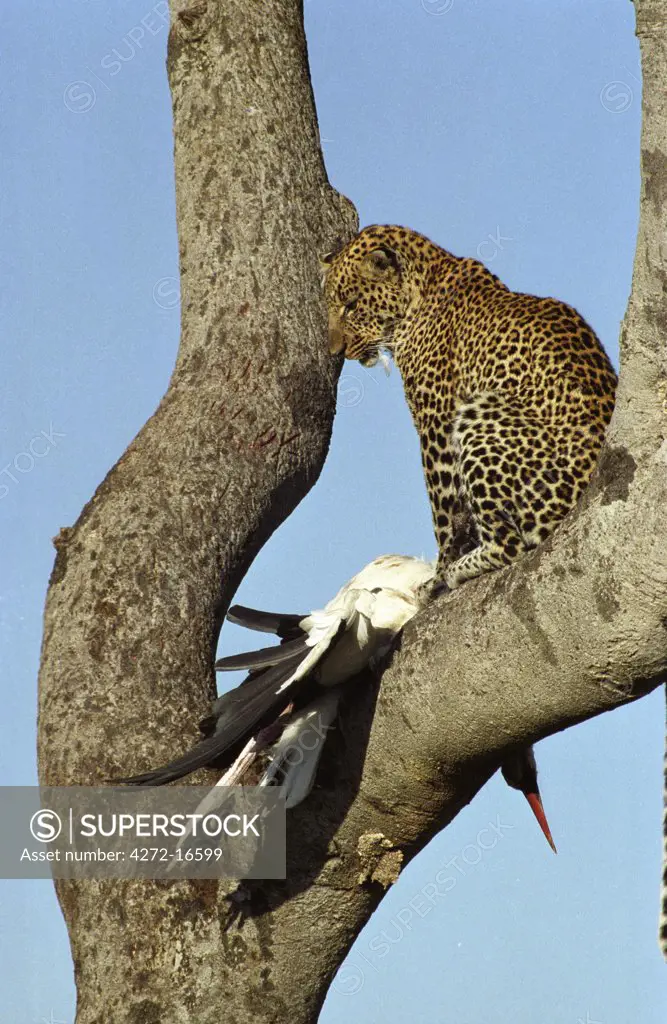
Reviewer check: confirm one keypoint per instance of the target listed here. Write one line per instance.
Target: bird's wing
(250, 706)
(287, 626)
(325, 633)
(227, 709)
(331, 645)
(265, 657)
(263, 696)
(294, 758)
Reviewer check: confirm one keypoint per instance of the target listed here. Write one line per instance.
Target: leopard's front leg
(452, 524)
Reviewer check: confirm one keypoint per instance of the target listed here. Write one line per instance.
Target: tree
(144, 577)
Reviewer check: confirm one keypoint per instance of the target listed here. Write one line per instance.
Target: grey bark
(142, 580)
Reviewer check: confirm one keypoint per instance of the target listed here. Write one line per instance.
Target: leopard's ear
(382, 264)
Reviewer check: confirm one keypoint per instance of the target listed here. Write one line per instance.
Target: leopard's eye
(349, 306)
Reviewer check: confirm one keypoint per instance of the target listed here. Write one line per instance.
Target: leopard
(510, 393)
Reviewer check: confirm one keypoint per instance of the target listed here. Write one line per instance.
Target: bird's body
(290, 698)
(374, 605)
(319, 652)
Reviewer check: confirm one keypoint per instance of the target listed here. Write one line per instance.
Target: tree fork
(141, 582)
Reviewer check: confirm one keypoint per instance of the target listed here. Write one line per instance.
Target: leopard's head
(368, 286)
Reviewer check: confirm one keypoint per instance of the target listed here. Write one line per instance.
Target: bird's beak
(535, 801)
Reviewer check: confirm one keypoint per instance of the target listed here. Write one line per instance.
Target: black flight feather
(238, 716)
(285, 626)
(265, 657)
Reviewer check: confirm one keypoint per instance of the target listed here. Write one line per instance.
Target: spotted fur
(510, 393)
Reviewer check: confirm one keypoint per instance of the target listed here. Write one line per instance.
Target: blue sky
(503, 131)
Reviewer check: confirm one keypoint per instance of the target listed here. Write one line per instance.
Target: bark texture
(141, 582)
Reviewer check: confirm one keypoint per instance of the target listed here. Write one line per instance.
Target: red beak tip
(538, 810)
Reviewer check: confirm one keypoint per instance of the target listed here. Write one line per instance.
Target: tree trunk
(142, 581)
